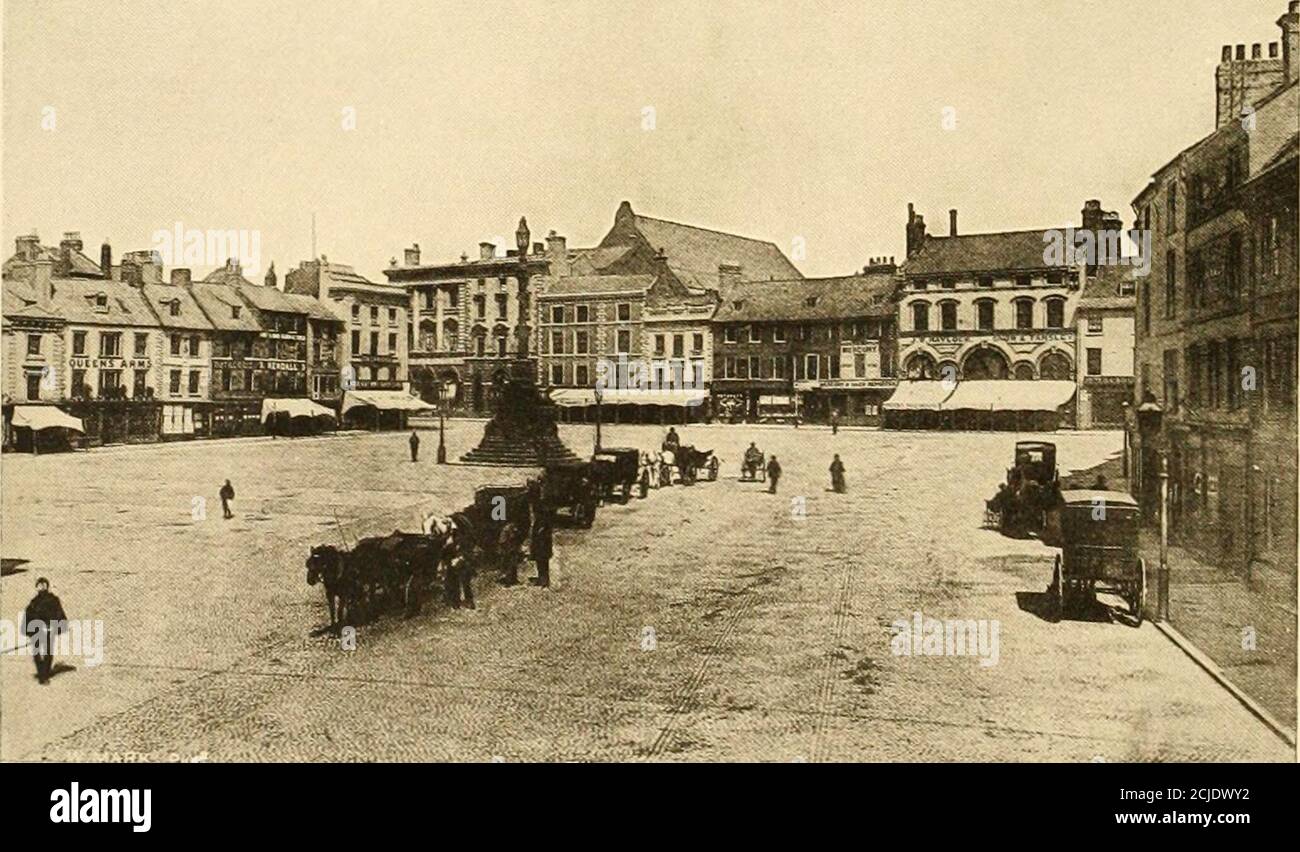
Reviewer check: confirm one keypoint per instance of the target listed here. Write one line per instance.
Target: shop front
(854, 401)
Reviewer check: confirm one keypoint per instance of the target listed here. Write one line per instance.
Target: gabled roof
(1101, 291)
(161, 296)
(81, 264)
(17, 301)
(695, 253)
(218, 302)
(76, 300)
(1002, 251)
(803, 299)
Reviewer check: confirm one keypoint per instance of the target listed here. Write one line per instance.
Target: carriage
(753, 467)
(617, 469)
(688, 462)
(571, 486)
(1032, 488)
(1099, 551)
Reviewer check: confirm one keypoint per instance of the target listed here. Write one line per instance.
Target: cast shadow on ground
(1042, 605)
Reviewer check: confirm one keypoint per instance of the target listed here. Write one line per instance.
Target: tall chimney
(915, 231)
(952, 223)
(71, 240)
(106, 261)
(42, 286)
(1290, 26)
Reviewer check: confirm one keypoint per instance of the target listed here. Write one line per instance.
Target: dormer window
(738, 304)
(101, 301)
(811, 301)
(174, 307)
(234, 311)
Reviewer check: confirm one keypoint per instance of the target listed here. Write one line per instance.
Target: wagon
(616, 469)
(570, 486)
(1033, 486)
(1099, 550)
(497, 505)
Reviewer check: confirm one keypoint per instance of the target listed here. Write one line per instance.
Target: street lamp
(599, 395)
(442, 422)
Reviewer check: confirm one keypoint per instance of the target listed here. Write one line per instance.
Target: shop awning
(579, 397)
(1009, 395)
(385, 400)
(295, 408)
(920, 395)
(37, 417)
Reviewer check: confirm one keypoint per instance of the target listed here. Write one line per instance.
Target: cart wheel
(1058, 590)
(1139, 598)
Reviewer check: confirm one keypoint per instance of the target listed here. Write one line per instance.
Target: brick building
(1104, 356)
(1216, 331)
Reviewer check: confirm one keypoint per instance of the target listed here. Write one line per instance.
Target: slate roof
(160, 297)
(217, 300)
(804, 299)
(695, 253)
(1001, 251)
(572, 285)
(1101, 292)
(74, 299)
(81, 264)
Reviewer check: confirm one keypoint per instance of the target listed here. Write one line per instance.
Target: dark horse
(329, 566)
(689, 460)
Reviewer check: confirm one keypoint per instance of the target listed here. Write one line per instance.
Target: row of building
(1217, 319)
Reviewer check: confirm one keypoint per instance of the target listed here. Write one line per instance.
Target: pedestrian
(415, 446)
(671, 442)
(773, 475)
(227, 494)
(837, 475)
(835, 421)
(42, 621)
(510, 553)
(541, 546)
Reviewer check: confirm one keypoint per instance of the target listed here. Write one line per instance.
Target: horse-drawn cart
(570, 486)
(616, 469)
(1099, 550)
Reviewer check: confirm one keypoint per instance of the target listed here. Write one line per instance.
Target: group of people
(754, 461)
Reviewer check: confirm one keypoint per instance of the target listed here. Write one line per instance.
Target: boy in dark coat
(42, 621)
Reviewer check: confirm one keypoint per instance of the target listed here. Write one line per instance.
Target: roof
(81, 264)
(17, 300)
(1101, 291)
(75, 300)
(602, 285)
(1005, 250)
(160, 298)
(595, 259)
(695, 253)
(218, 300)
(807, 298)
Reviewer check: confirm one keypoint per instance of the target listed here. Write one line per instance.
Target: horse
(689, 460)
(329, 566)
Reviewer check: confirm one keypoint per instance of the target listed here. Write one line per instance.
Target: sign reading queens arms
(79, 362)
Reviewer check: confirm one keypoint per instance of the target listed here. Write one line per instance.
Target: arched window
(1024, 313)
(1023, 371)
(920, 316)
(948, 315)
(987, 363)
(1055, 365)
(1055, 313)
(920, 365)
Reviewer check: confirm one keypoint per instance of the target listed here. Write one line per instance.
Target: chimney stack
(486, 251)
(71, 241)
(106, 261)
(1256, 52)
(43, 287)
(1290, 26)
(729, 275)
(412, 255)
(952, 223)
(915, 231)
(28, 246)
(181, 278)
(1226, 56)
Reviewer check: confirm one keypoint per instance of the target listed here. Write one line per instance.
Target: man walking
(415, 446)
(773, 475)
(42, 621)
(227, 494)
(837, 475)
(835, 421)
(460, 565)
(541, 545)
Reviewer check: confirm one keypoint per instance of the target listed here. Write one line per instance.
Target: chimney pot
(952, 223)
(106, 261)
(1241, 51)
(1226, 56)
(1256, 51)
(1272, 50)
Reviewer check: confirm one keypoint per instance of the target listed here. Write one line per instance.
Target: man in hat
(415, 446)
(541, 545)
(773, 475)
(837, 475)
(458, 556)
(42, 621)
(227, 494)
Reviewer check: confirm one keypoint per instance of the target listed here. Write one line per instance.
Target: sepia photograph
(795, 381)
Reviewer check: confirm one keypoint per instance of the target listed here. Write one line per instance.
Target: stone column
(522, 327)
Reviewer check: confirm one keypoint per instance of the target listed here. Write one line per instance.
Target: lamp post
(1163, 613)
(598, 394)
(442, 422)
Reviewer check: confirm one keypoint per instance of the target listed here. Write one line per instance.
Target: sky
(809, 124)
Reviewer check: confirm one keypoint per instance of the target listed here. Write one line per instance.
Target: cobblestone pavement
(771, 631)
